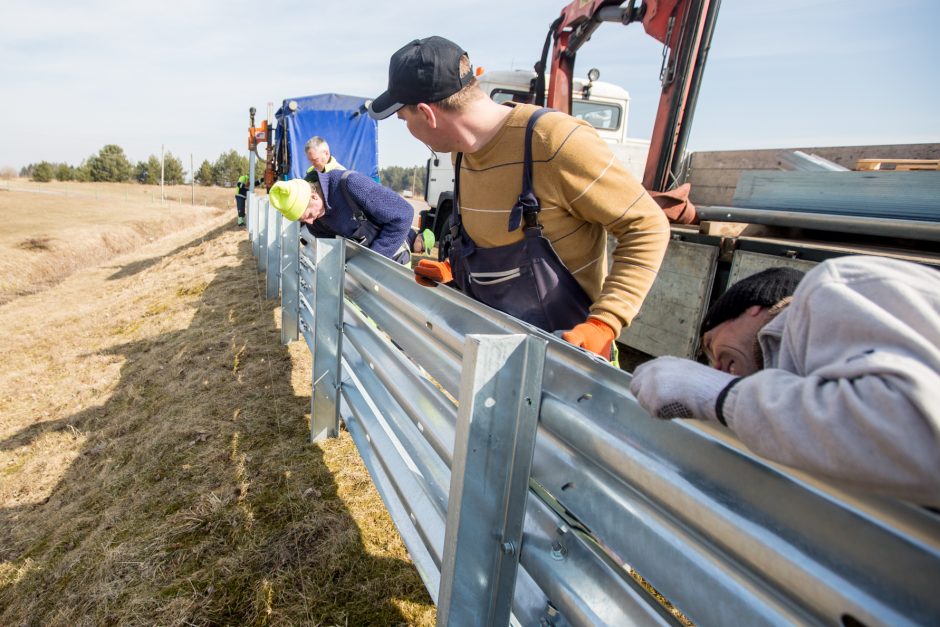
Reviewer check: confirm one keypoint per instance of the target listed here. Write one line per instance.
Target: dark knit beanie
(766, 288)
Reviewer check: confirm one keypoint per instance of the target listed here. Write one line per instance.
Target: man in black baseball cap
(424, 70)
(516, 161)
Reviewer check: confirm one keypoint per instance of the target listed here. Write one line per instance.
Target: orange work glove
(594, 335)
(429, 272)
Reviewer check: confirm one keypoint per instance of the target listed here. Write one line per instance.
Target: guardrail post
(274, 254)
(253, 226)
(263, 209)
(270, 244)
(251, 208)
(328, 337)
(500, 392)
(290, 281)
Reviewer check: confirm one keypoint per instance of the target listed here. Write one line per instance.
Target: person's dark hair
(766, 288)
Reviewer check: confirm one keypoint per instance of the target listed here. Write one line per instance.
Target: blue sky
(75, 76)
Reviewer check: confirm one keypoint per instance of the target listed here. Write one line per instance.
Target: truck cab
(604, 106)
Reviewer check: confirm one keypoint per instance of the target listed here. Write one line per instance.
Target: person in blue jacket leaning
(351, 205)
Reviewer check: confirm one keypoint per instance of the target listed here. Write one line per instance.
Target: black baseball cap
(425, 70)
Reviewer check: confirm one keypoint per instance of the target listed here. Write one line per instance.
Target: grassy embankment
(154, 467)
(52, 229)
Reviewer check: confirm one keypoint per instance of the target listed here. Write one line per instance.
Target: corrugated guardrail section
(523, 476)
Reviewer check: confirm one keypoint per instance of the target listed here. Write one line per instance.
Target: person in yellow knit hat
(348, 204)
(536, 192)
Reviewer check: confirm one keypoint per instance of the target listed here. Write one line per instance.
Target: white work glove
(670, 387)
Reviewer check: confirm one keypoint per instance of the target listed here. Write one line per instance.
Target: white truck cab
(604, 106)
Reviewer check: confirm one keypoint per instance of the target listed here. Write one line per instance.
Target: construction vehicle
(684, 26)
(339, 119)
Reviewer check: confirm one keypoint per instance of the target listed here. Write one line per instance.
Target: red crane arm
(685, 28)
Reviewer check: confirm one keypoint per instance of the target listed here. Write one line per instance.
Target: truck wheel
(425, 219)
(443, 246)
(442, 220)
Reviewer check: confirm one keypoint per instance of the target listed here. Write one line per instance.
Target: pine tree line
(401, 178)
(111, 165)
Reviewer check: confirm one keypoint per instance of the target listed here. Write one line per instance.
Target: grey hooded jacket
(851, 383)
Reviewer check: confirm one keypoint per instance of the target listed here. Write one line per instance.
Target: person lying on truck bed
(529, 233)
(842, 380)
(349, 204)
(318, 154)
(421, 243)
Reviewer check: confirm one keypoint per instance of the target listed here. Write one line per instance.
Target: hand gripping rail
(528, 499)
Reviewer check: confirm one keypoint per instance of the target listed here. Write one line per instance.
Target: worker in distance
(348, 204)
(536, 193)
(840, 379)
(241, 197)
(319, 156)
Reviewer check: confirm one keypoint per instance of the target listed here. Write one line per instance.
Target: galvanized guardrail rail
(524, 478)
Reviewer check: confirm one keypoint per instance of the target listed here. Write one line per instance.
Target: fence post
(328, 337)
(251, 211)
(274, 254)
(270, 243)
(261, 242)
(290, 281)
(500, 392)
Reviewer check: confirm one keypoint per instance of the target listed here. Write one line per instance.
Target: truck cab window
(507, 95)
(600, 115)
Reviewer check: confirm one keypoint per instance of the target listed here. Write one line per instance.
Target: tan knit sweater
(583, 190)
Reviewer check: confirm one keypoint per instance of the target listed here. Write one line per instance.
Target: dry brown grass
(52, 229)
(154, 467)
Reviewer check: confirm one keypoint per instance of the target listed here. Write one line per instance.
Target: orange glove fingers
(593, 335)
(438, 271)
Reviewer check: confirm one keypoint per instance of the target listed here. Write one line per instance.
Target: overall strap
(455, 214)
(527, 162)
(527, 207)
(344, 187)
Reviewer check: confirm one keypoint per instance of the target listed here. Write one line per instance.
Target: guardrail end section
(500, 392)
(328, 338)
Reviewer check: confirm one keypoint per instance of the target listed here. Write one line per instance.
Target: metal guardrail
(524, 478)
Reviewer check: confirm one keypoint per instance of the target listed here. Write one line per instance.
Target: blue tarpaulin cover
(341, 120)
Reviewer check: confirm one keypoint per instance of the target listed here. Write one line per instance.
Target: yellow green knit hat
(428, 236)
(290, 197)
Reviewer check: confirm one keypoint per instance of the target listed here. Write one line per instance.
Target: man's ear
(429, 114)
(754, 310)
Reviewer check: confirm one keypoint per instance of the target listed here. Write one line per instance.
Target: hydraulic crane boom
(684, 26)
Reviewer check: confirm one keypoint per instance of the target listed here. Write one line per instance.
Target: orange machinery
(262, 134)
(684, 27)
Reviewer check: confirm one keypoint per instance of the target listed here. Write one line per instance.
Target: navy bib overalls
(526, 279)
